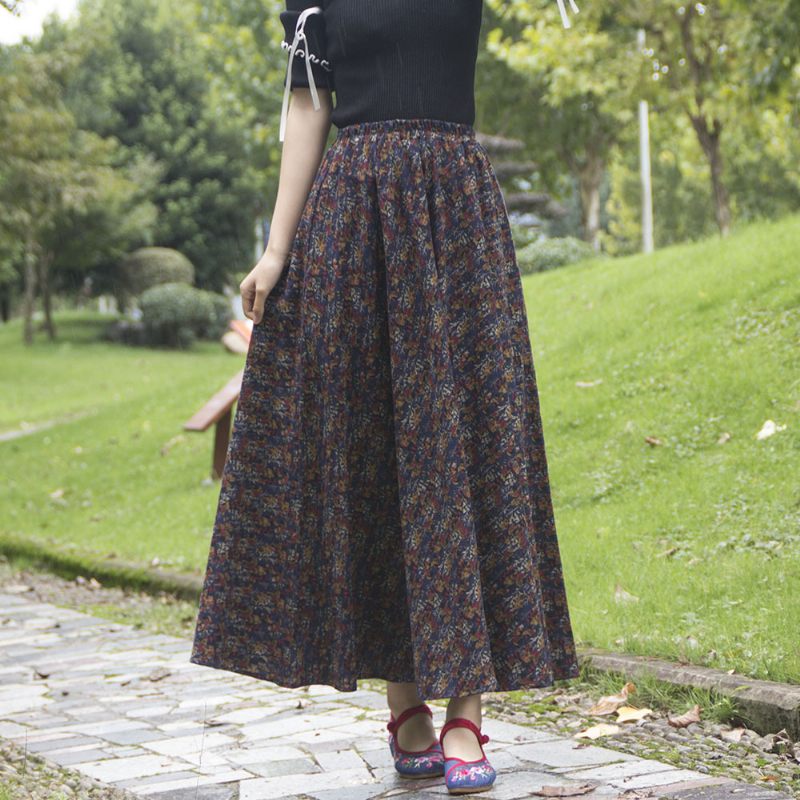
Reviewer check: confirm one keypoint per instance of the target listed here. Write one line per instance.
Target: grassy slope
(690, 343)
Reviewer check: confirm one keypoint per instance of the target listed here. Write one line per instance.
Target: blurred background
(650, 161)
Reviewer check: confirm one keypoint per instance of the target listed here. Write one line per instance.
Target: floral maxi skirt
(385, 506)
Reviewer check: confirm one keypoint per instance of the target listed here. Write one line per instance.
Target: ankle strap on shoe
(463, 722)
(394, 724)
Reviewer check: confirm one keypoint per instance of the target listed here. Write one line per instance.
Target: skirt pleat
(385, 506)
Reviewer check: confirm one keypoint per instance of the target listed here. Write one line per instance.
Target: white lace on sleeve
(300, 36)
(563, 10)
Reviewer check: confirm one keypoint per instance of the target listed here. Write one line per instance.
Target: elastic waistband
(407, 126)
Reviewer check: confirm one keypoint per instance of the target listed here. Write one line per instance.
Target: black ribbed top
(389, 59)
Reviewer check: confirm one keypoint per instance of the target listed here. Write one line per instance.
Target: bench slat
(217, 406)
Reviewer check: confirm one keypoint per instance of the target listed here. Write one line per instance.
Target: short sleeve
(313, 47)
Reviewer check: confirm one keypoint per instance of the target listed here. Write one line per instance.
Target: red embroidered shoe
(464, 777)
(427, 763)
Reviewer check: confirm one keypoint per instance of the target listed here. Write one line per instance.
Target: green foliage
(546, 254)
(523, 235)
(175, 314)
(222, 315)
(143, 78)
(150, 266)
(66, 206)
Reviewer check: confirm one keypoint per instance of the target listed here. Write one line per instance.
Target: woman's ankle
(401, 696)
(468, 706)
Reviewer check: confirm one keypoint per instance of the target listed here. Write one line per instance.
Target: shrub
(524, 235)
(126, 331)
(174, 314)
(151, 266)
(551, 253)
(222, 315)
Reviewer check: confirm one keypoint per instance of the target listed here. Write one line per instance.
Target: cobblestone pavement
(125, 707)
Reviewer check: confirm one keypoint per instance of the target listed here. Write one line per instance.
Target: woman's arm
(306, 134)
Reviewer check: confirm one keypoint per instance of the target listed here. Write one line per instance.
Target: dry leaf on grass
(566, 791)
(621, 596)
(631, 714)
(769, 428)
(732, 735)
(685, 719)
(611, 702)
(596, 731)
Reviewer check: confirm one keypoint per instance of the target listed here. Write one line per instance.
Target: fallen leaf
(175, 440)
(769, 428)
(732, 734)
(653, 440)
(611, 702)
(596, 731)
(631, 714)
(17, 588)
(158, 673)
(686, 719)
(566, 790)
(621, 596)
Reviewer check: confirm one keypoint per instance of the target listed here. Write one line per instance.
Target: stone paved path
(126, 707)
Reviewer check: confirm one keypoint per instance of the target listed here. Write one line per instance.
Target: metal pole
(644, 166)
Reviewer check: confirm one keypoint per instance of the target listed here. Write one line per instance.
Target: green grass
(688, 344)
(121, 495)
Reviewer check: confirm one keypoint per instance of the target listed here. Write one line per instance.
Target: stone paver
(126, 707)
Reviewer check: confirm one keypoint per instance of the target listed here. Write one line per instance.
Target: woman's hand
(259, 283)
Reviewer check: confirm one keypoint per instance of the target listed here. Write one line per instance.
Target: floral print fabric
(385, 508)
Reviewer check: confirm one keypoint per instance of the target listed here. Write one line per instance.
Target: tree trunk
(710, 142)
(590, 177)
(709, 137)
(30, 294)
(47, 295)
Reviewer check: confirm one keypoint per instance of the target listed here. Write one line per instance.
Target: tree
(54, 180)
(587, 107)
(143, 79)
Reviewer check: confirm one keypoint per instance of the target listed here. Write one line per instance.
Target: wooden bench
(219, 408)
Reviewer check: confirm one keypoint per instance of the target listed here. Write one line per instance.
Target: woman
(385, 508)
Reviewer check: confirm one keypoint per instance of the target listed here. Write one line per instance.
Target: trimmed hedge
(176, 314)
(552, 253)
(151, 266)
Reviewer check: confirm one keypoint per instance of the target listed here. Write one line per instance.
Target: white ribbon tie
(563, 10)
(300, 36)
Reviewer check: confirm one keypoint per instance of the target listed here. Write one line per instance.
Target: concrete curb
(767, 706)
(112, 572)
